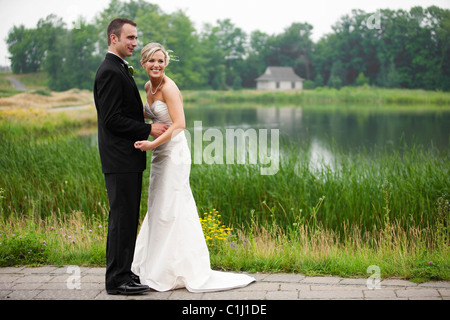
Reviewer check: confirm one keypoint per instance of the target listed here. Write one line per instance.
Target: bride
(171, 251)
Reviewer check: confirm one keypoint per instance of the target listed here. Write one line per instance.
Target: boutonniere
(131, 70)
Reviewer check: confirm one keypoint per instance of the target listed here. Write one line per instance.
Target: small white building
(279, 78)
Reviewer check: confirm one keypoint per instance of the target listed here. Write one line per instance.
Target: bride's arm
(174, 102)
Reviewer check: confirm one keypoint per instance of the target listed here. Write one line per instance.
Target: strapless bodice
(158, 112)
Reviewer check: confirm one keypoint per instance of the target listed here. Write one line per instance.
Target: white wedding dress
(171, 251)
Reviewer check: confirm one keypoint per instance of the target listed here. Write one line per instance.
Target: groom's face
(125, 44)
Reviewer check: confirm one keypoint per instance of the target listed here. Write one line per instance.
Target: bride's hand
(144, 145)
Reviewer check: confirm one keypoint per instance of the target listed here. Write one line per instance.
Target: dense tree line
(403, 49)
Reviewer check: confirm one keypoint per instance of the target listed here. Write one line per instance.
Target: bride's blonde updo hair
(148, 51)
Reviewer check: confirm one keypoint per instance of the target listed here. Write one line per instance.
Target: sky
(269, 16)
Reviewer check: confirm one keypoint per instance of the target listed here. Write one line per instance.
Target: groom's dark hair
(115, 27)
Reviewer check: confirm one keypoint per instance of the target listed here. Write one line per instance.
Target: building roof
(279, 74)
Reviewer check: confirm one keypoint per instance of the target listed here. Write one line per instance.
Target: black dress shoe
(135, 278)
(129, 288)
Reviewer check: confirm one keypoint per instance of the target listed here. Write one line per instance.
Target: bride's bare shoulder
(170, 85)
(170, 82)
(170, 89)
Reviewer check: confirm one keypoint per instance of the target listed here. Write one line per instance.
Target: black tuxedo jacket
(120, 118)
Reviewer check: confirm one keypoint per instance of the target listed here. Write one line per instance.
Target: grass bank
(364, 94)
(32, 81)
(386, 207)
(77, 239)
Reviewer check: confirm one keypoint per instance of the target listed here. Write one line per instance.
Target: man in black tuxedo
(120, 124)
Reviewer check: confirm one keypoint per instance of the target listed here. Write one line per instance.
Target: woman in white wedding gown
(171, 251)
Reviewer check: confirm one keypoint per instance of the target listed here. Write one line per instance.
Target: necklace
(157, 86)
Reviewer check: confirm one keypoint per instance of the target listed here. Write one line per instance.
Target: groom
(120, 124)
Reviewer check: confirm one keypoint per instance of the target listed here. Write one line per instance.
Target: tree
(237, 83)
(439, 22)
(53, 37)
(255, 63)
(23, 46)
(222, 48)
(293, 48)
(322, 60)
(318, 80)
(68, 56)
(81, 61)
(336, 75)
(219, 78)
(392, 77)
(182, 39)
(361, 80)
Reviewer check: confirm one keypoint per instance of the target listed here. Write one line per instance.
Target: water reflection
(317, 158)
(286, 118)
(355, 129)
(320, 158)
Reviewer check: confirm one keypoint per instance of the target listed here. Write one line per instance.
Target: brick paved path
(73, 283)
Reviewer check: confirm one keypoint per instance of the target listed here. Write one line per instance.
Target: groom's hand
(158, 129)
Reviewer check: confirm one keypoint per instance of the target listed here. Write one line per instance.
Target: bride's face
(156, 65)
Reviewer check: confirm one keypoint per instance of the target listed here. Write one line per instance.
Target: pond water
(324, 128)
(345, 127)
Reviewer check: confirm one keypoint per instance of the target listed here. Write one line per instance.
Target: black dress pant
(124, 194)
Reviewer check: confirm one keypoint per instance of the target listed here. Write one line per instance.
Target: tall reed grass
(355, 188)
(47, 168)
